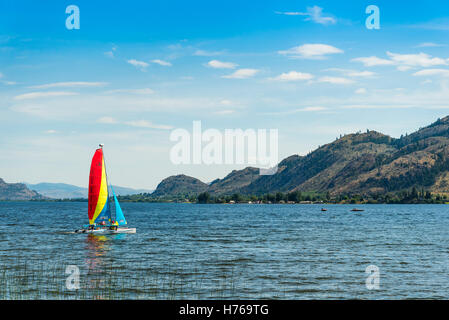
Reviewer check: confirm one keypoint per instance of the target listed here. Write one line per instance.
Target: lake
(190, 251)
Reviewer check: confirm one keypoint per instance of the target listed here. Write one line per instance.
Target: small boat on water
(357, 210)
(323, 209)
(99, 204)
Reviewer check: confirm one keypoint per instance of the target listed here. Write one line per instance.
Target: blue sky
(136, 70)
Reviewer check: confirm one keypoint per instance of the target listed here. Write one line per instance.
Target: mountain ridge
(68, 191)
(358, 163)
(17, 191)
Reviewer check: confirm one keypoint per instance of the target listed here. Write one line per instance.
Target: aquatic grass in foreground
(20, 281)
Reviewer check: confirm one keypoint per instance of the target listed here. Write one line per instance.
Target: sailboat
(99, 204)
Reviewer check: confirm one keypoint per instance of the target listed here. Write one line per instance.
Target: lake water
(226, 251)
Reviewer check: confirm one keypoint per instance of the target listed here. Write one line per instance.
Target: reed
(42, 281)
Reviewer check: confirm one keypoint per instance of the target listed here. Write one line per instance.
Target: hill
(17, 191)
(179, 185)
(360, 163)
(234, 181)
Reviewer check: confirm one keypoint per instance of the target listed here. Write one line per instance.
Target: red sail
(95, 179)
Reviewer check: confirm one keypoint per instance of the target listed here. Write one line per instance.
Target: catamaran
(99, 208)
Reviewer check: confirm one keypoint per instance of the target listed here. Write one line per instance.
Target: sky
(135, 71)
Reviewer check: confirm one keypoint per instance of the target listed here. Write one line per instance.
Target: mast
(107, 183)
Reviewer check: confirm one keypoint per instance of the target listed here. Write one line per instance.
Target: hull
(107, 231)
(99, 231)
(123, 230)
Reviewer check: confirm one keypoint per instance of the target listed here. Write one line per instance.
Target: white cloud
(353, 73)
(363, 74)
(107, 120)
(34, 95)
(5, 81)
(310, 109)
(293, 76)
(416, 60)
(403, 68)
(242, 74)
(375, 106)
(69, 84)
(336, 80)
(397, 98)
(147, 124)
(110, 54)
(51, 131)
(432, 72)
(297, 110)
(162, 62)
(133, 91)
(428, 45)
(403, 62)
(441, 24)
(373, 61)
(225, 112)
(94, 106)
(360, 91)
(226, 102)
(137, 123)
(9, 83)
(311, 51)
(314, 14)
(138, 64)
(221, 65)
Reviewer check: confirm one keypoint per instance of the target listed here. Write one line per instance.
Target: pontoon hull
(107, 231)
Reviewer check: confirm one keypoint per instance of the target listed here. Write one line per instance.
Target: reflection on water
(96, 245)
(96, 249)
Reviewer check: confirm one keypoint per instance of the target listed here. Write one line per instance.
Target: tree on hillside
(203, 197)
(294, 196)
(237, 197)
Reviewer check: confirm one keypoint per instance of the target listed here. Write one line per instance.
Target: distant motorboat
(322, 209)
(355, 209)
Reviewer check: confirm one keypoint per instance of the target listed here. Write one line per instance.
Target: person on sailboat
(114, 225)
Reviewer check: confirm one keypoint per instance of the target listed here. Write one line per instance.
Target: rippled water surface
(227, 251)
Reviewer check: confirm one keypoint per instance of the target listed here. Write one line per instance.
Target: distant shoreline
(225, 203)
(411, 196)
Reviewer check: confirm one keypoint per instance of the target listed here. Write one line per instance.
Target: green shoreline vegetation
(412, 196)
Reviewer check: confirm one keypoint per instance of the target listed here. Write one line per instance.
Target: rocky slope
(17, 191)
(360, 163)
(179, 185)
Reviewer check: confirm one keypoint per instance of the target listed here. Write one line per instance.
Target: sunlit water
(227, 251)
